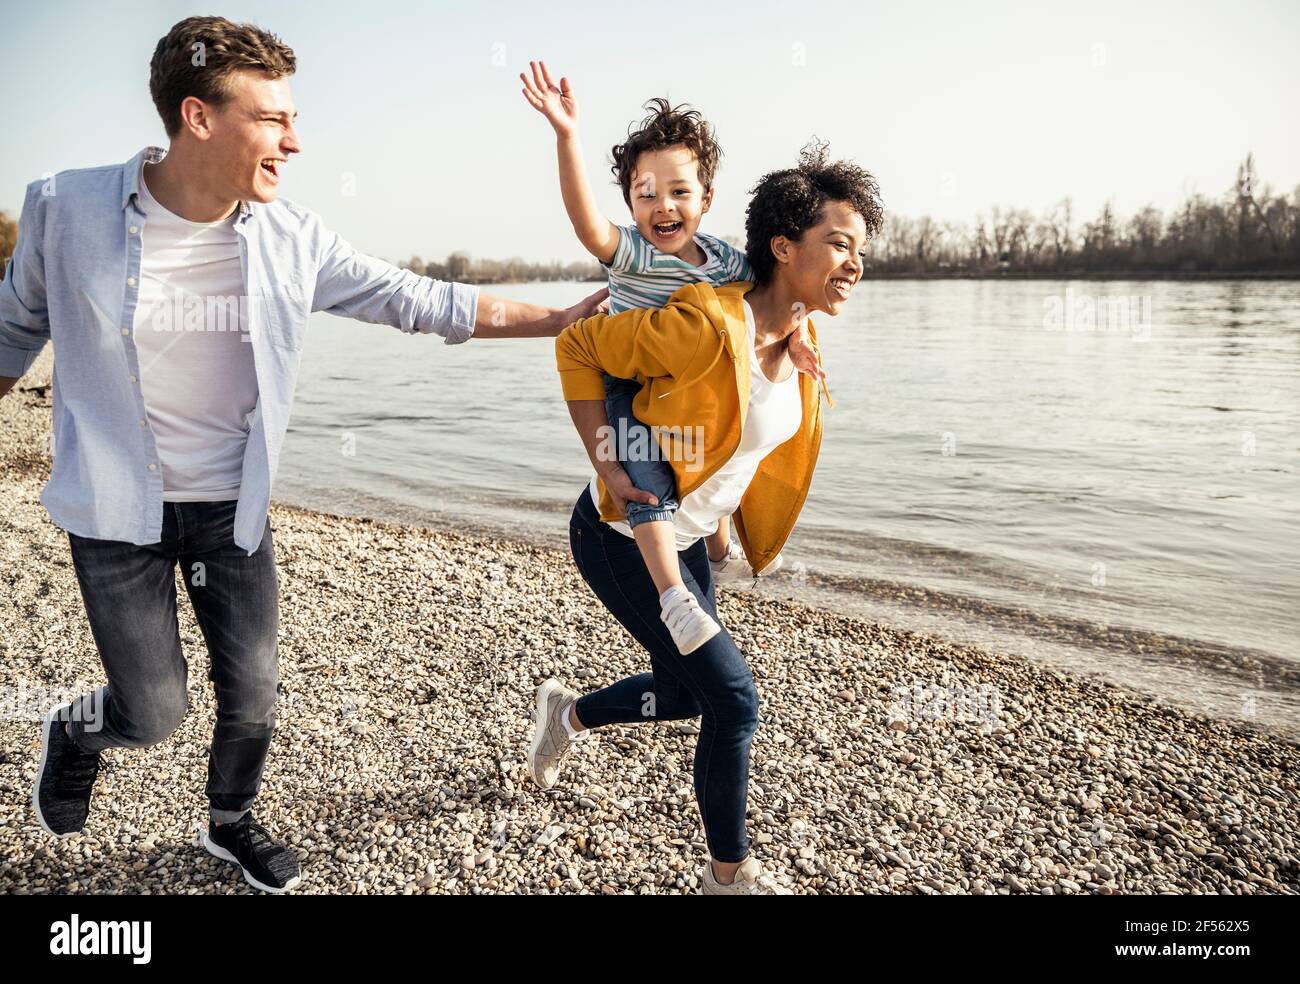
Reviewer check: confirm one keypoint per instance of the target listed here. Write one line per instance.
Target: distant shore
(1089, 275)
(886, 761)
(1188, 275)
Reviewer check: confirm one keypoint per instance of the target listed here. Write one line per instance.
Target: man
(176, 289)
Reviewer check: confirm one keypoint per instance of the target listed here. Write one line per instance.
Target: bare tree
(8, 237)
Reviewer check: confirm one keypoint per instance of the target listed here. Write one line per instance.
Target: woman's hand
(621, 489)
(803, 355)
(556, 103)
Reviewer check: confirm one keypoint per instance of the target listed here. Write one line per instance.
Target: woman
(742, 430)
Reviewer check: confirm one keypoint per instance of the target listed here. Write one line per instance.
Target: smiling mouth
(841, 287)
(272, 167)
(667, 229)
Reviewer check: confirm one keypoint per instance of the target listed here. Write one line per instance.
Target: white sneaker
(734, 568)
(691, 626)
(750, 880)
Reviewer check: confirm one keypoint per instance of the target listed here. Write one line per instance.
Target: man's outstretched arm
(353, 285)
(498, 317)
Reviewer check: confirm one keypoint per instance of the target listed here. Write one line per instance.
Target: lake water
(1101, 475)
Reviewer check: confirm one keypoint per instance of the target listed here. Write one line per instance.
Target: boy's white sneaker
(690, 625)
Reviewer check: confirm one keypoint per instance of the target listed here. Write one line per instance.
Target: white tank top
(775, 413)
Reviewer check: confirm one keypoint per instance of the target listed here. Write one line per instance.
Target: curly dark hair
(667, 126)
(791, 201)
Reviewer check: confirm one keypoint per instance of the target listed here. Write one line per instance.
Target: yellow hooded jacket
(691, 358)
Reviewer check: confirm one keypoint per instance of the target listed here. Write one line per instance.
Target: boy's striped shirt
(643, 276)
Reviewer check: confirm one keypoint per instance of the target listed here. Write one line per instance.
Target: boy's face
(249, 137)
(668, 200)
(822, 268)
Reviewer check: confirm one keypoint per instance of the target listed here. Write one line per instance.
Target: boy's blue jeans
(649, 473)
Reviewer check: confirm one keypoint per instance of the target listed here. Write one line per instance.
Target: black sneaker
(65, 776)
(268, 865)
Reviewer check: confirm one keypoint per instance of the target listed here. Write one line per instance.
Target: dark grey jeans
(130, 597)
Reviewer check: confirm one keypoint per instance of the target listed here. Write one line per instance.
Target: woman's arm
(641, 343)
(592, 424)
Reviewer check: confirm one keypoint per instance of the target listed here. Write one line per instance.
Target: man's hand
(556, 103)
(593, 304)
(803, 355)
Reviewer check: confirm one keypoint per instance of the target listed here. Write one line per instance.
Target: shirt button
(152, 466)
(130, 281)
(126, 331)
(133, 377)
(134, 229)
(141, 421)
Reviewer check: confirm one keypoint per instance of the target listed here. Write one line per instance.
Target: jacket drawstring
(825, 389)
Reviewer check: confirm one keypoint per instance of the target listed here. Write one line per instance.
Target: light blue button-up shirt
(74, 280)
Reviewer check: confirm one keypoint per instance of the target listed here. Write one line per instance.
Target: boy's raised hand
(556, 103)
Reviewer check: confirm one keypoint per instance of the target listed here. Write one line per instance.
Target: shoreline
(1254, 688)
(886, 761)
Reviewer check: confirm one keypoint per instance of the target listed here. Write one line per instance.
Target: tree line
(1249, 229)
(460, 266)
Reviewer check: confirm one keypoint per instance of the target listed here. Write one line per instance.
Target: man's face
(668, 200)
(251, 135)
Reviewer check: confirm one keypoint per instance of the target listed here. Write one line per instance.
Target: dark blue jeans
(650, 473)
(713, 683)
(130, 597)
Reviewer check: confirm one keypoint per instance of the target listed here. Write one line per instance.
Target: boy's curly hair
(667, 126)
(789, 202)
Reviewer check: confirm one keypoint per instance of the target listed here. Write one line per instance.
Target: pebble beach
(885, 761)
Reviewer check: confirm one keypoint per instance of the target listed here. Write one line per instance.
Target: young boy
(666, 169)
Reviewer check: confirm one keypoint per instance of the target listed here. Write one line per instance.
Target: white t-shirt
(196, 362)
(775, 413)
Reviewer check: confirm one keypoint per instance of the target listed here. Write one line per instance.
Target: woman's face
(821, 269)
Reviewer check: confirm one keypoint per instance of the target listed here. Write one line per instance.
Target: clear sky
(956, 107)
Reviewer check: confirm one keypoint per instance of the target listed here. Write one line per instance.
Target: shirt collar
(152, 155)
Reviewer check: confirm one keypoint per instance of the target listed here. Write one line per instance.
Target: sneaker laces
(257, 841)
(76, 770)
